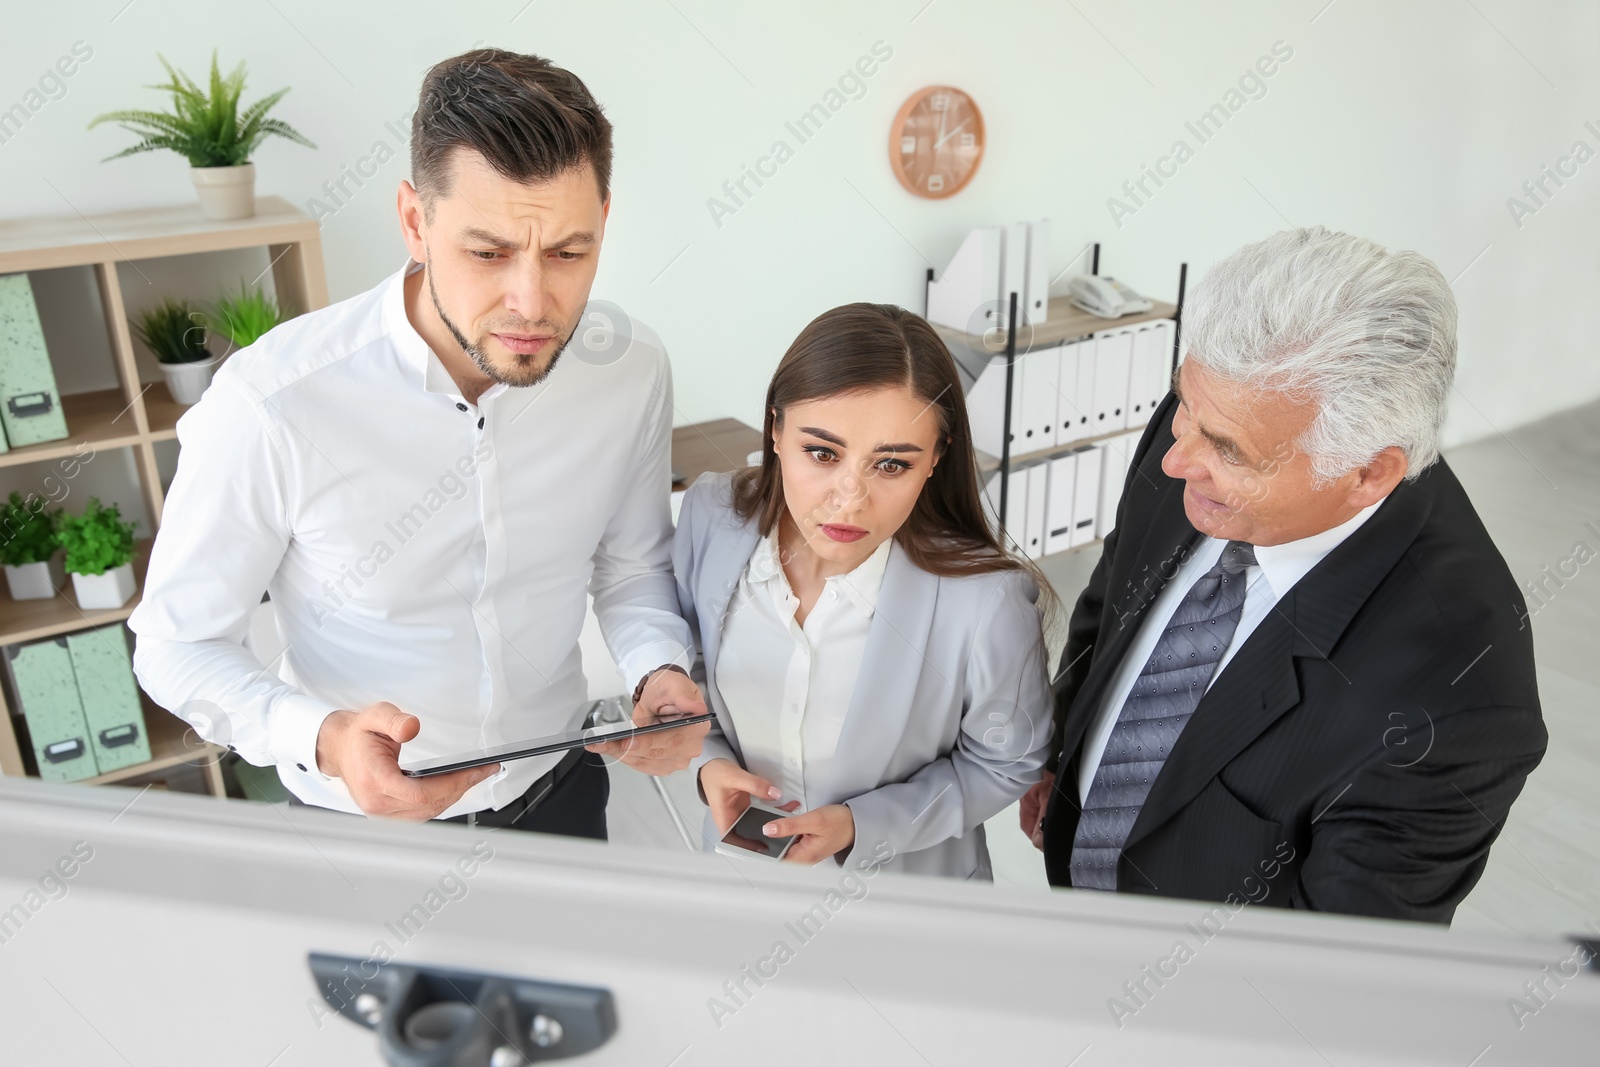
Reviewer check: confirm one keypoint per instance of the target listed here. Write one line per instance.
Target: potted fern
(28, 548)
(175, 333)
(243, 317)
(208, 129)
(99, 555)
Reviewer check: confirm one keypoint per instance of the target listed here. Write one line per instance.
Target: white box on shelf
(1033, 524)
(1140, 375)
(1069, 406)
(1037, 297)
(1086, 497)
(1040, 393)
(1059, 502)
(1113, 361)
(1115, 455)
(1013, 271)
(986, 405)
(1086, 377)
(965, 297)
(1010, 533)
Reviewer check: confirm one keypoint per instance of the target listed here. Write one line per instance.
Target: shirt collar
(435, 379)
(861, 584)
(1284, 565)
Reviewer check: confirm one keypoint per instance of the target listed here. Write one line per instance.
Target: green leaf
(27, 531)
(205, 125)
(96, 541)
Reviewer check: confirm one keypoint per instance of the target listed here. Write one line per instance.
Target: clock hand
(951, 134)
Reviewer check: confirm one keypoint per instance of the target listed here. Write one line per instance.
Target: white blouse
(786, 686)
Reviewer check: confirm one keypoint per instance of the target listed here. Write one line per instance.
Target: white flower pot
(36, 581)
(226, 192)
(109, 590)
(187, 382)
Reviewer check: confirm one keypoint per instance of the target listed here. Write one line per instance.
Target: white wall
(1411, 124)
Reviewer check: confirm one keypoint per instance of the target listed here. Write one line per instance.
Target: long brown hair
(859, 347)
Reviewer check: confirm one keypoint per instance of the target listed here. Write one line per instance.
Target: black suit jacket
(1360, 751)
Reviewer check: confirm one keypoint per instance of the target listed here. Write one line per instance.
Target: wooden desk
(718, 445)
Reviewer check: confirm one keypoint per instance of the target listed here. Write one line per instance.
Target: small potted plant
(175, 333)
(28, 549)
(209, 130)
(99, 548)
(243, 317)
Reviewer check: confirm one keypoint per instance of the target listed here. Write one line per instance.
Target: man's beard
(523, 375)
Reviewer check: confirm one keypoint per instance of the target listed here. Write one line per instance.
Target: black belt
(530, 798)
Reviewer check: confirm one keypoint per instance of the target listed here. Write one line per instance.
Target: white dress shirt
(1276, 570)
(788, 687)
(417, 548)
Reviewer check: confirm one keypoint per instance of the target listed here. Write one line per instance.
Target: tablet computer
(540, 745)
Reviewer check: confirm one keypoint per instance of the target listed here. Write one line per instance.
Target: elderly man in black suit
(1300, 673)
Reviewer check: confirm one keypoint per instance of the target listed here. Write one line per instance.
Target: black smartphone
(540, 745)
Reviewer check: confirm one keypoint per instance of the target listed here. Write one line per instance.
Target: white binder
(1010, 534)
(986, 405)
(965, 296)
(1160, 368)
(1070, 414)
(1086, 497)
(1085, 425)
(1013, 272)
(1037, 296)
(1060, 497)
(1113, 361)
(1033, 525)
(1040, 394)
(1138, 404)
(1115, 455)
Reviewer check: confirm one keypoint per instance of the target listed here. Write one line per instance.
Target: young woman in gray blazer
(873, 655)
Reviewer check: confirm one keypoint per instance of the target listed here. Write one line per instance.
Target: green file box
(42, 677)
(30, 405)
(110, 697)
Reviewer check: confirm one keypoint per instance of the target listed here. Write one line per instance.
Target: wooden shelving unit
(137, 414)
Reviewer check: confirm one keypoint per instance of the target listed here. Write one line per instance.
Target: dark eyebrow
(475, 235)
(835, 439)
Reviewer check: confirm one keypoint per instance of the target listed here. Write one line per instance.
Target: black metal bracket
(438, 1017)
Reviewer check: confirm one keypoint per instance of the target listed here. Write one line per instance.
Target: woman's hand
(823, 832)
(728, 788)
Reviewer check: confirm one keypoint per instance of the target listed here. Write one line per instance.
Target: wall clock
(936, 142)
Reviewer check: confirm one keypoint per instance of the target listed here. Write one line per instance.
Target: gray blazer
(950, 719)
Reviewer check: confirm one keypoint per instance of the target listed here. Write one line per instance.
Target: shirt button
(480, 422)
(460, 406)
(793, 762)
(302, 766)
(833, 594)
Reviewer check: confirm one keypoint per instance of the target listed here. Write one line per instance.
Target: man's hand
(823, 831)
(363, 748)
(1035, 802)
(728, 788)
(664, 751)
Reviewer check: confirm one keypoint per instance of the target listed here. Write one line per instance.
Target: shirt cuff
(292, 740)
(655, 656)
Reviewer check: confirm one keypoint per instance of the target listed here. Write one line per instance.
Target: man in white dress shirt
(427, 495)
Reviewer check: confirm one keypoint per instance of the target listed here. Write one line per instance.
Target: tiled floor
(1535, 489)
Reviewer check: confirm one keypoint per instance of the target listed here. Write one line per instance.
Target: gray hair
(1369, 335)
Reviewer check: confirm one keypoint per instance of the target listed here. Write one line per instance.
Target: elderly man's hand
(667, 695)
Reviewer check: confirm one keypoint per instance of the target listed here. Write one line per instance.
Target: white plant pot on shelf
(109, 590)
(187, 382)
(36, 581)
(226, 192)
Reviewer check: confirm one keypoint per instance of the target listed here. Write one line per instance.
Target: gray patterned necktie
(1160, 703)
